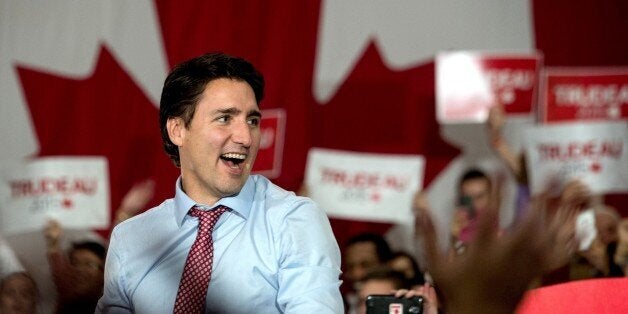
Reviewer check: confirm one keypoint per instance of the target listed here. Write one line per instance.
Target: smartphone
(466, 202)
(389, 304)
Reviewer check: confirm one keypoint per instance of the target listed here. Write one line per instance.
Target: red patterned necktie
(198, 266)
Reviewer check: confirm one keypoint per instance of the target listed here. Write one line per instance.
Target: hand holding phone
(389, 304)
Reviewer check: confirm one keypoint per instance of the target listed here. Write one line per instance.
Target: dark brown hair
(187, 81)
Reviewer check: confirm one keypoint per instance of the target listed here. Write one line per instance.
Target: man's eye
(254, 121)
(223, 119)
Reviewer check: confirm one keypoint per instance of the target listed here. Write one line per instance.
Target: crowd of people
(369, 267)
(76, 268)
(287, 256)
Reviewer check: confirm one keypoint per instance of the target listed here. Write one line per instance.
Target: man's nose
(242, 133)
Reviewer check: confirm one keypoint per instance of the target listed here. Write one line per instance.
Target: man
(474, 196)
(78, 276)
(380, 281)
(18, 294)
(386, 281)
(405, 263)
(361, 253)
(269, 251)
(475, 189)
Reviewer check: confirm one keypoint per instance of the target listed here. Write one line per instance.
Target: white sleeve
(114, 299)
(309, 263)
(8, 260)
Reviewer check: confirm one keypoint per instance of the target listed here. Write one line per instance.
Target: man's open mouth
(233, 159)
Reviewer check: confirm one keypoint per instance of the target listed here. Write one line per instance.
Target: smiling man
(228, 242)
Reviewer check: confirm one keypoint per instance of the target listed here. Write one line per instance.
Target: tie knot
(207, 218)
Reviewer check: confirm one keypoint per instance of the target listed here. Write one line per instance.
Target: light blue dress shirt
(274, 252)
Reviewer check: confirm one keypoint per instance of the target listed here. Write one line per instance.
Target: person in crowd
(239, 235)
(9, 262)
(607, 226)
(621, 254)
(380, 281)
(135, 200)
(431, 304)
(595, 260)
(361, 253)
(77, 275)
(514, 161)
(18, 294)
(384, 280)
(405, 263)
(475, 195)
(496, 270)
(606, 223)
(598, 260)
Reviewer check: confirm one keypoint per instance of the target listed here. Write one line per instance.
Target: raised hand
(53, 233)
(494, 272)
(430, 304)
(135, 199)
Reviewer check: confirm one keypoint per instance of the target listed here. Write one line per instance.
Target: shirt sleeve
(115, 298)
(309, 263)
(8, 261)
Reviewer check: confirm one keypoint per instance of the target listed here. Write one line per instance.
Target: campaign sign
(468, 84)
(594, 153)
(273, 126)
(71, 190)
(362, 186)
(584, 94)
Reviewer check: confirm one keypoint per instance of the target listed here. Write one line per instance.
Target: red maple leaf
(375, 197)
(596, 167)
(375, 110)
(119, 122)
(67, 203)
(396, 115)
(107, 115)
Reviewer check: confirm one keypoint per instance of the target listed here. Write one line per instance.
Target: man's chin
(232, 187)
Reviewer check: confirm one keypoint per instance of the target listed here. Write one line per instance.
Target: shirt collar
(239, 203)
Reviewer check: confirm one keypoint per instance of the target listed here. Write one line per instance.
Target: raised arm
(494, 273)
(494, 126)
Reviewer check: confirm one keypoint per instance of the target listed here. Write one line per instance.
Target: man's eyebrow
(231, 111)
(234, 111)
(255, 113)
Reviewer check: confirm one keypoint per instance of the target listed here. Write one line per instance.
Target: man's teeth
(234, 156)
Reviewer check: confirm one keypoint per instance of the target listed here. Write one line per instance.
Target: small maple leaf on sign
(376, 197)
(67, 203)
(596, 167)
(103, 114)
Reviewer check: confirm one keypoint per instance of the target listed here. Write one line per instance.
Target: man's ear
(176, 130)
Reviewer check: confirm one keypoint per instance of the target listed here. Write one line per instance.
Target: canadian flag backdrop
(84, 77)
